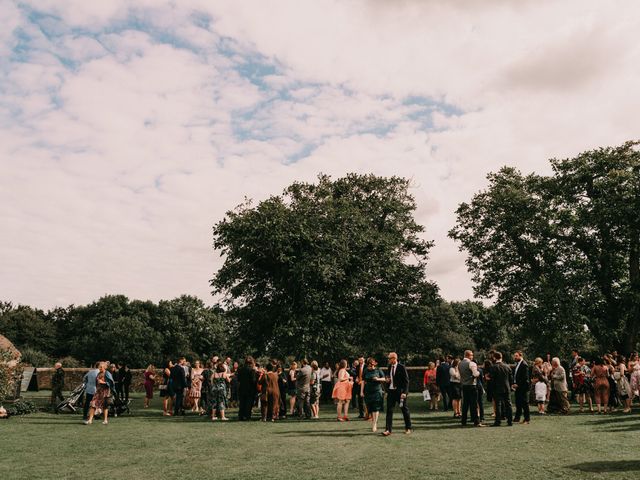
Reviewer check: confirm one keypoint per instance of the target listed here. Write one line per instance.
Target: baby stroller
(74, 401)
(118, 407)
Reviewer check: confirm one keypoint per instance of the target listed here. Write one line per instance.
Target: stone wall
(73, 378)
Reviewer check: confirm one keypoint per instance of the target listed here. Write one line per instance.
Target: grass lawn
(147, 445)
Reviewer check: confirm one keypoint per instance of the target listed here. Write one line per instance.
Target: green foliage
(191, 328)
(27, 327)
(561, 252)
(7, 376)
(330, 268)
(484, 324)
(21, 407)
(70, 362)
(35, 358)
(116, 328)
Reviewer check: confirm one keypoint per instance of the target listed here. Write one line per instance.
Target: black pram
(74, 401)
(117, 406)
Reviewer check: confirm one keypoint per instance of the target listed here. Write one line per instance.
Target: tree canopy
(115, 328)
(562, 252)
(331, 267)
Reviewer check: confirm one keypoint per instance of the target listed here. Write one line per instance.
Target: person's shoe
(105, 423)
(524, 422)
(86, 422)
(340, 419)
(408, 431)
(509, 424)
(374, 429)
(386, 433)
(479, 425)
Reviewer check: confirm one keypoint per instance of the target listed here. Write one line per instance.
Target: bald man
(397, 391)
(57, 385)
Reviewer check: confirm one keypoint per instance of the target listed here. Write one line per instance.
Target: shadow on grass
(603, 420)
(610, 466)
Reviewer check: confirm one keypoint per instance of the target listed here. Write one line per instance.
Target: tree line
(139, 332)
(338, 267)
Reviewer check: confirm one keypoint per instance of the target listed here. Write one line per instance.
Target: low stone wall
(73, 378)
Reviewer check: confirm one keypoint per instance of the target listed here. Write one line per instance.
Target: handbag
(163, 387)
(426, 396)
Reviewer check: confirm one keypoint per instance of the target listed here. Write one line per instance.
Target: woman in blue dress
(373, 378)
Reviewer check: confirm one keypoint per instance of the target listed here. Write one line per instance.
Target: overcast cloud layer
(127, 129)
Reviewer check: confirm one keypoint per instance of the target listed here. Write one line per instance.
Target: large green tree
(562, 252)
(328, 268)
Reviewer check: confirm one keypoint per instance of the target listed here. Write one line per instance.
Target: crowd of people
(460, 385)
(609, 382)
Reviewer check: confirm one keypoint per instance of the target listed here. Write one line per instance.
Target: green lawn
(147, 445)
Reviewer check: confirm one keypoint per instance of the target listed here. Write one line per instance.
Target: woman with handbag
(100, 401)
(166, 391)
(431, 387)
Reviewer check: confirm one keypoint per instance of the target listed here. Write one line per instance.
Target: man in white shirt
(326, 380)
(469, 374)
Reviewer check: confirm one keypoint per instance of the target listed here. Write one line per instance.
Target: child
(541, 396)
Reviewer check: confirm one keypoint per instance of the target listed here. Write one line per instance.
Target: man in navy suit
(397, 391)
(521, 386)
(443, 380)
(179, 383)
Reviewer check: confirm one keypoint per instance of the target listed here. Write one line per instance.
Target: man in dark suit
(443, 380)
(358, 371)
(522, 384)
(501, 381)
(397, 391)
(178, 383)
(247, 388)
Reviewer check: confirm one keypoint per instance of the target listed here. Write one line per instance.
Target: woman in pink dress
(342, 391)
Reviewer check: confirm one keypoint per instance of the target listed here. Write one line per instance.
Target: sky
(129, 128)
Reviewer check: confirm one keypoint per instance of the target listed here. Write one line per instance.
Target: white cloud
(129, 128)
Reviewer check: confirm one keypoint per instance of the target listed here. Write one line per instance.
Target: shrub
(6, 376)
(70, 362)
(21, 407)
(35, 358)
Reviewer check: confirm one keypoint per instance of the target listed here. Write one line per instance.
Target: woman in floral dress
(218, 393)
(196, 386)
(100, 401)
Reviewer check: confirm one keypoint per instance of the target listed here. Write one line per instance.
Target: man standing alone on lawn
(57, 385)
(398, 389)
